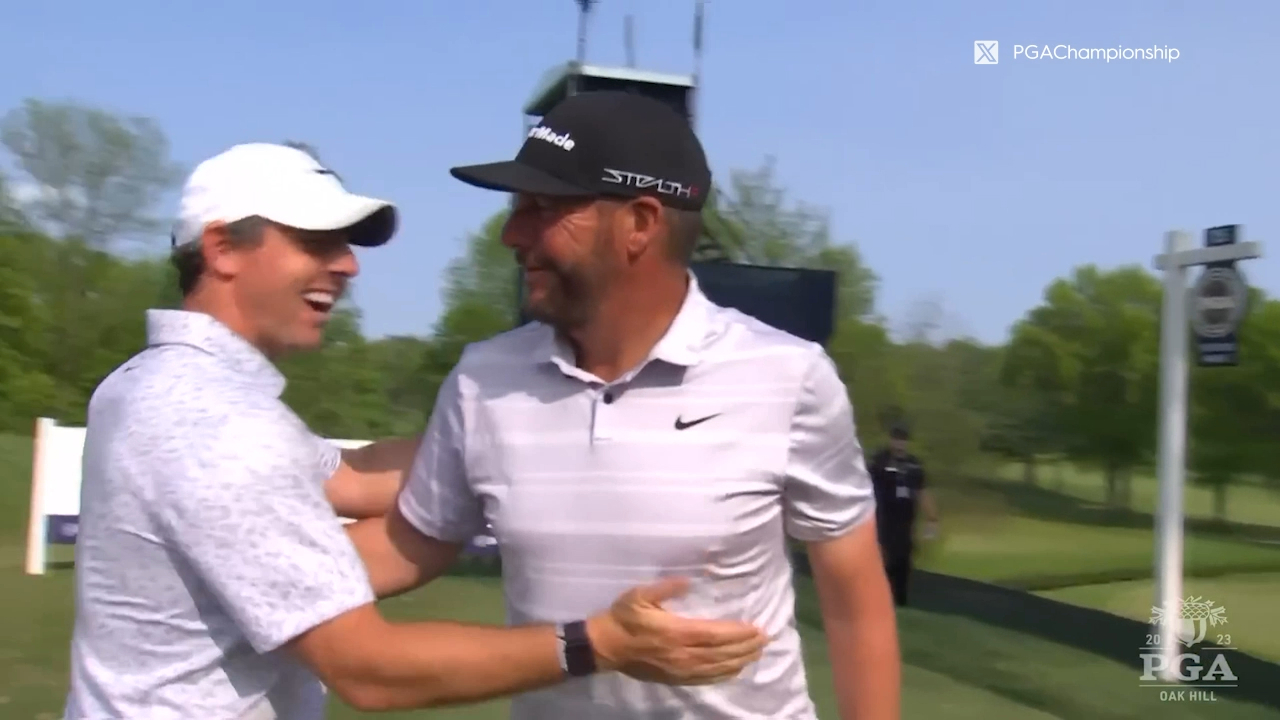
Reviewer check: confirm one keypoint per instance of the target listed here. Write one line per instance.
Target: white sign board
(55, 489)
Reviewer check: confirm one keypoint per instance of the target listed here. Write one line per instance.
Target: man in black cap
(636, 430)
(900, 488)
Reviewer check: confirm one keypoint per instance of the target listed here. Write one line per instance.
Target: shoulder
(506, 349)
(181, 379)
(501, 359)
(738, 338)
(189, 409)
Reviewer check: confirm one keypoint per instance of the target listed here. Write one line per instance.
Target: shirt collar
(204, 332)
(681, 345)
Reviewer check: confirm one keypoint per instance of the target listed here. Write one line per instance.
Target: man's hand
(637, 637)
(930, 531)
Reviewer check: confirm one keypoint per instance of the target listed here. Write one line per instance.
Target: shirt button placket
(604, 412)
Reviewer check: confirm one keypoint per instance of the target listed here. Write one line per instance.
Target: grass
(1249, 602)
(1247, 502)
(980, 671)
(958, 664)
(15, 486)
(1023, 551)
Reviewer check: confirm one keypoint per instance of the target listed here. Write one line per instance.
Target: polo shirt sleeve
(250, 515)
(827, 488)
(437, 499)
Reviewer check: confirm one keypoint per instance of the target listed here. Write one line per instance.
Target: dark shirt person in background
(899, 483)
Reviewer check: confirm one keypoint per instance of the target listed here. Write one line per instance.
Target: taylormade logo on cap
(545, 133)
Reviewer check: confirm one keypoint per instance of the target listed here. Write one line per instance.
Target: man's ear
(220, 256)
(641, 221)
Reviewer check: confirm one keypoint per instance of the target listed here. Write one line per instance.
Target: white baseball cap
(284, 185)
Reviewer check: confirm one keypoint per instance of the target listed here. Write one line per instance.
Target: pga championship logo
(1201, 666)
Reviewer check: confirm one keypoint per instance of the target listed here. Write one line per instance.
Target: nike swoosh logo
(682, 425)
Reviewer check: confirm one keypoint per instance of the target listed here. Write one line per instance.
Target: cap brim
(515, 177)
(370, 222)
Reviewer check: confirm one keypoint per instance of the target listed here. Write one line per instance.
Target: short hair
(684, 232)
(188, 259)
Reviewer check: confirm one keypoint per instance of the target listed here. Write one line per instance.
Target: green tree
(1091, 350)
(862, 351)
(484, 280)
(91, 178)
(93, 174)
(1235, 410)
(1014, 422)
(12, 219)
(26, 390)
(337, 389)
(751, 221)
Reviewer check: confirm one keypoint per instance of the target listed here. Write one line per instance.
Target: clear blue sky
(971, 184)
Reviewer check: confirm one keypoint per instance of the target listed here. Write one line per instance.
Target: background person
(900, 488)
(638, 430)
(213, 578)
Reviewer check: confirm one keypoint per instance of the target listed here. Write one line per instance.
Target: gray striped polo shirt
(206, 541)
(700, 462)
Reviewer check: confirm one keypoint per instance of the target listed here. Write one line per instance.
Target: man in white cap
(214, 579)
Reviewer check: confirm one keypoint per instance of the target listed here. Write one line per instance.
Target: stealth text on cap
(545, 133)
(646, 182)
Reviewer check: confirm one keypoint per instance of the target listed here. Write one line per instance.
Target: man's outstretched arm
(374, 665)
(267, 544)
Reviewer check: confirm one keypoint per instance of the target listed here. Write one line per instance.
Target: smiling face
(283, 286)
(567, 250)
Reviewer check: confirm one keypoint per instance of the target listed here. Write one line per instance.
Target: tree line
(1076, 380)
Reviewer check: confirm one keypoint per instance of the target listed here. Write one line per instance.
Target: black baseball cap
(604, 143)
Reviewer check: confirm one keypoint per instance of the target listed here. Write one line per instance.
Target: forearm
(396, 556)
(437, 663)
(393, 455)
(866, 666)
(861, 626)
(370, 477)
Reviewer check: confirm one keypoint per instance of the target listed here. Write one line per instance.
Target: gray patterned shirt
(206, 541)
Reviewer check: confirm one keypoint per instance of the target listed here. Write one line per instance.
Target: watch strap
(577, 657)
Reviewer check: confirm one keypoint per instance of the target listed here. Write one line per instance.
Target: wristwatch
(577, 657)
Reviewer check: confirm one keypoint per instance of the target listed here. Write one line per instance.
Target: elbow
(361, 696)
(365, 694)
(366, 664)
(375, 698)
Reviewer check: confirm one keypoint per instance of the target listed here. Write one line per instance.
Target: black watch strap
(577, 658)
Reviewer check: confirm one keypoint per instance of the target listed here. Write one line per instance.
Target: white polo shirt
(206, 541)
(731, 436)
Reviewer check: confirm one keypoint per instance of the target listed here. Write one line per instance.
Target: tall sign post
(1216, 306)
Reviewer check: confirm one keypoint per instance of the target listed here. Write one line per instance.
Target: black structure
(801, 301)
(798, 300)
(572, 77)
